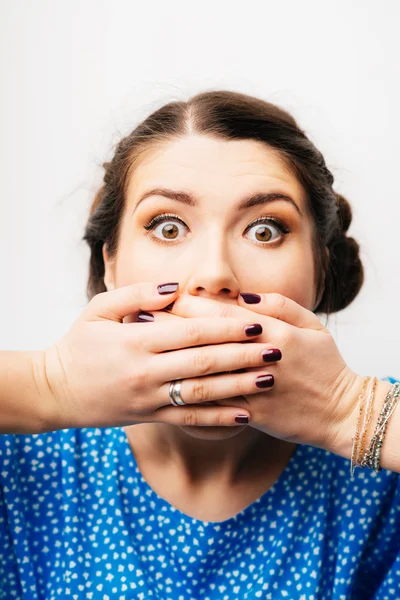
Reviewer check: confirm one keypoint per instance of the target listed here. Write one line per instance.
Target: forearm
(24, 399)
(390, 452)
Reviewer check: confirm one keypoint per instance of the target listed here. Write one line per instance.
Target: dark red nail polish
(271, 355)
(167, 288)
(255, 329)
(251, 298)
(265, 381)
(145, 317)
(242, 419)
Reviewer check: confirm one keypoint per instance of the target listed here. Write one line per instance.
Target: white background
(76, 75)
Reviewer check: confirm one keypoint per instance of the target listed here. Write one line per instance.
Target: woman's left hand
(315, 393)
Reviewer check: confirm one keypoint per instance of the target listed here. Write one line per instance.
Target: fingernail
(242, 419)
(271, 355)
(255, 329)
(265, 381)
(169, 307)
(251, 298)
(145, 317)
(167, 288)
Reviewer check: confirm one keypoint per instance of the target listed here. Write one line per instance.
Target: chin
(205, 432)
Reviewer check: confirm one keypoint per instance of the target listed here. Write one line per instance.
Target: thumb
(116, 304)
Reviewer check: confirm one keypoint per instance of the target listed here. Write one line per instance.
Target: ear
(109, 277)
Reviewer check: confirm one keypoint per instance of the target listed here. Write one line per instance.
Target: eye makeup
(160, 219)
(262, 220)
(269, 219)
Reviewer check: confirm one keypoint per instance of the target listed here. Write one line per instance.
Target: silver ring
(174, 393)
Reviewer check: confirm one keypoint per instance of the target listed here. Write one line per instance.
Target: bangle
(371, 457)
(356, 437)
(366, 422)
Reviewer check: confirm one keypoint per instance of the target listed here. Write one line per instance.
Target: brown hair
(230, 115)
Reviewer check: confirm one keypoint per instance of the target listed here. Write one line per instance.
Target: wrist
(341, 442)
(24, 399)
(47, 413)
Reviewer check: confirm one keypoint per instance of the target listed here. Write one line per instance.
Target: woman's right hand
(109, 373)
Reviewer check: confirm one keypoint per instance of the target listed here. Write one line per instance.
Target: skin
(212, 256)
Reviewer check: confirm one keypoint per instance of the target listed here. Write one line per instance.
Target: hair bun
(345, 275)
(344, 212)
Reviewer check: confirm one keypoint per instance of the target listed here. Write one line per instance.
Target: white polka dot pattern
(78, 520)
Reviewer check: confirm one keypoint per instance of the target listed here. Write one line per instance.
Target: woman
(225, 197)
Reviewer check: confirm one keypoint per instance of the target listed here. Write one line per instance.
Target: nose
(212, 274)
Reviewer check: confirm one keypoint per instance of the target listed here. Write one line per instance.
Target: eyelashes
(161, 219)
(169, 217)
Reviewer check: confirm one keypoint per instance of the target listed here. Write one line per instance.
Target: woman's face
(211, 238)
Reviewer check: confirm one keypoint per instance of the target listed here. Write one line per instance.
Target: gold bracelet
(371, 456)
(367, 420)
(356, 436)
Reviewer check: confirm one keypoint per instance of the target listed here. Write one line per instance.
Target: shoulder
(34, 459)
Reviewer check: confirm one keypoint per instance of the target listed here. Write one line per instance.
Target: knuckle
(190, 417)
(138, 405)
(247, 358)
(278, 302)
(219, 419)
(203, 362)
(97, 301)
(240, 386)
(226, 311)
(137, 340)
(132, 340)
(201, 391)
(141, 291)
(285, 339)
(137, 381)
(134, 293)
(193, 333)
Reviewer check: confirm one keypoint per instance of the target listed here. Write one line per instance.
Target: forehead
(205, 165)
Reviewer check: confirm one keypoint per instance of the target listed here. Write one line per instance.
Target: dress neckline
(168, 510)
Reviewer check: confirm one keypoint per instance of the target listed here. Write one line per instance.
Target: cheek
(137, 261)
(300, 288)
(290, 274)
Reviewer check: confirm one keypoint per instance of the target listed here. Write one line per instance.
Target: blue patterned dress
(78, 520)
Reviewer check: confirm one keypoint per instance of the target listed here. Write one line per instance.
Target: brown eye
(165, 227)
(263, 230)
(263, 234)
(170, 231)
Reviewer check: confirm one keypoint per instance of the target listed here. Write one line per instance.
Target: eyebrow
(257, 199)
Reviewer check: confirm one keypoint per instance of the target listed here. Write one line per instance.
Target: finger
(199, 416)
(271, 305)
(219, 387)
(186, 305)
(155, 315)
(283, 308)
(116, 304)
(184, 333)
(207, 360)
